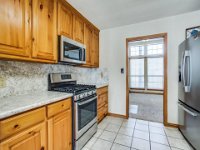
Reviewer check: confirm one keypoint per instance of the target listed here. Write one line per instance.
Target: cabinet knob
(16, 126)
(41, 6)
(42, 148)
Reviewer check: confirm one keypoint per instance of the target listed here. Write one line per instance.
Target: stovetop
(65, 83)
(75, 89)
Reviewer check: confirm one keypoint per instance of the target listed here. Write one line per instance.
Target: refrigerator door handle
(187, 85)
(194, 114)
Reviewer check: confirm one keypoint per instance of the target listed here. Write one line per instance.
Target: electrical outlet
(2, 82)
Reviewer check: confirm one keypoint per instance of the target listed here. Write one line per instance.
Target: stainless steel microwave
(71, 52)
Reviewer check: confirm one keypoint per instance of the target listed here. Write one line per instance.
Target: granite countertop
(17, 104)
(101, 85)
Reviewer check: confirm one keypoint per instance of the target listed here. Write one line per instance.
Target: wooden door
(88, 43)
(65, 20)
(60, 131)
(44, 29)
(78, 29)
(30, 139)
(95, 49)
(15, 35)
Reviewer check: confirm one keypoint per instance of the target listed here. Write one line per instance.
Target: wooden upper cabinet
(65, 21)
(44, 29)
(95, 49)
(88, 42)
(15, 36)
(33, 138)
(78, 29)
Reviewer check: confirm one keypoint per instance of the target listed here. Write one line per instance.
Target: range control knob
(81, 95)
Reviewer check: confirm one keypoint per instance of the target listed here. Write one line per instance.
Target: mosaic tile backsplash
(23, 77)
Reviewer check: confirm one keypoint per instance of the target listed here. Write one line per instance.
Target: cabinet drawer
(13, 125)
(58, 107)
(102, 90)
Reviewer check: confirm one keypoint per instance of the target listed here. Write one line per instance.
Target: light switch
(122, 70)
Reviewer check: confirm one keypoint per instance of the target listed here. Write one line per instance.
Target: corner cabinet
(44, 29)
(95, 49)
(88, 31)
(102, 103)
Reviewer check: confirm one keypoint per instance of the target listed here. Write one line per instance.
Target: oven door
(86, 115)
(71, 51)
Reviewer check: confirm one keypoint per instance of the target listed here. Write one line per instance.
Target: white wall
(113, 56)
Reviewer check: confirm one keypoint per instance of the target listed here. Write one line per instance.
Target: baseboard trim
(117, 115)
(172, 125)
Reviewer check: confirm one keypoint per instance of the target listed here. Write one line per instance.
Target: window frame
(145, 43)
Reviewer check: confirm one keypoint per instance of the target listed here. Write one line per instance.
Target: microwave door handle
(88, 101)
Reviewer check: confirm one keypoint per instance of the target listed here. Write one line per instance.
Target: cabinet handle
(42, 148)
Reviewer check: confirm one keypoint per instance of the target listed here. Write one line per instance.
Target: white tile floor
(134, 134)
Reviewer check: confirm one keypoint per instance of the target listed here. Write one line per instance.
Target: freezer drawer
(189, 121)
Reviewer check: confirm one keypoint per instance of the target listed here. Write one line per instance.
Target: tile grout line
(133, 133)
(116, 135)
(149, 136)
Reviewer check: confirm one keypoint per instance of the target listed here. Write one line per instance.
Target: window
(146, 64)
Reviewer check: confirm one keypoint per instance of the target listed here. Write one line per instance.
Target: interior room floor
(146, 106)
(134, 134)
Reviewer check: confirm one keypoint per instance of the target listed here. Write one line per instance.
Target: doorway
(146, 78)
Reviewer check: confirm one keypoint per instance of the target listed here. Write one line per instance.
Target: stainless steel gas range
(84, 106)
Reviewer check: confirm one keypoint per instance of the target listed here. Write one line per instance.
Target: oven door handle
(88, 101)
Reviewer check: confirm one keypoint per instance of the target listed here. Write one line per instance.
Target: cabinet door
(95, 49)
(44, 29)
(78, 29)
(60, 131)
(15, 36)
(65, 20)
(88, 43)
(30, 139)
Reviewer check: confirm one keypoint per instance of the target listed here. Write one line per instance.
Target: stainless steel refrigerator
(189, 90)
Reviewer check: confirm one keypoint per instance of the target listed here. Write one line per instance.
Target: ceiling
(112, 13)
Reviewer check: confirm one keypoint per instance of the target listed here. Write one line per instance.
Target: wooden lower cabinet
(60, 131)
(33, 138)
(46, 128)
(102, 104)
